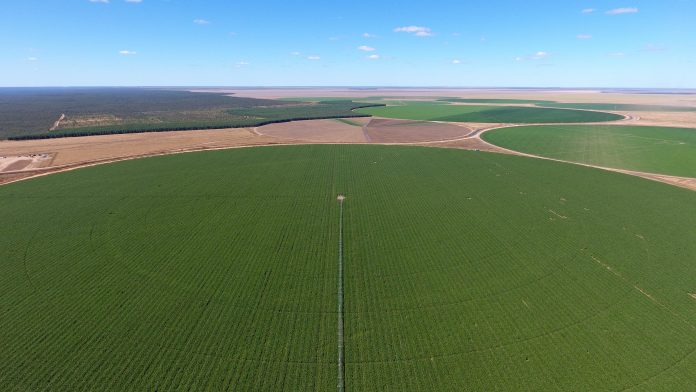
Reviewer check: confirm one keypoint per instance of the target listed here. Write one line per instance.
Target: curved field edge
(662, 150)
(464, 270)
(489, 114)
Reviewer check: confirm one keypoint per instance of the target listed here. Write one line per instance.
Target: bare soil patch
(318, 131)
(10, 163)
(408, 131)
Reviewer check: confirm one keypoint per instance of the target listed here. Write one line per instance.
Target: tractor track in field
(341, 352)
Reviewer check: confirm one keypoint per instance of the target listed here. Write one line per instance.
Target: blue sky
(629, 43)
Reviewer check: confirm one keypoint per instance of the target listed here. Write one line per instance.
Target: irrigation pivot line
(341, 382)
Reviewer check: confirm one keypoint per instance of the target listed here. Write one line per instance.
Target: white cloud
(32, 59)
(134, 1)
(99, 1)
(201, 22)
(540, 55)
(654, 48)
(368, 35)
(584, 36)
(314, 58)
(619, 11)
(456, 61)
(366, 48)
(373, 57)
(241, 64)
(588, 11)
(418, 31)
(127, 53)
(295, 53)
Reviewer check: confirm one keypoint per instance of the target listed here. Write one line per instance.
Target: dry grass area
(317, 131)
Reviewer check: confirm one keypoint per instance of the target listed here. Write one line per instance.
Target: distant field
(492, 114)
(650, 149)
(619, 107)
(463, 271)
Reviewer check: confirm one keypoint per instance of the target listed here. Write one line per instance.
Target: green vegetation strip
(463, 271)
(487, 114)
(649, 149)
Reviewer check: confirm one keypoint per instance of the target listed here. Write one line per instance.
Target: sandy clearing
(57, 123)
(322, 131)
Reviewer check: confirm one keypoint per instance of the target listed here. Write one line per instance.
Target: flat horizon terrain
(463, 270)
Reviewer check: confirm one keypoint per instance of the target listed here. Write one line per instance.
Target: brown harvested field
(666, 119)
(78, 151)
(90, 148)
(318, 131)
(408, 131)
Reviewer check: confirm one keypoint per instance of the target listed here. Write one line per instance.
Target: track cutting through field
(339, 301)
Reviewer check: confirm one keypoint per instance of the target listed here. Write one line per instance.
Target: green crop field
(462, 271)
(650, 149)
(582, 106)
(485, 114)
(496, 100)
